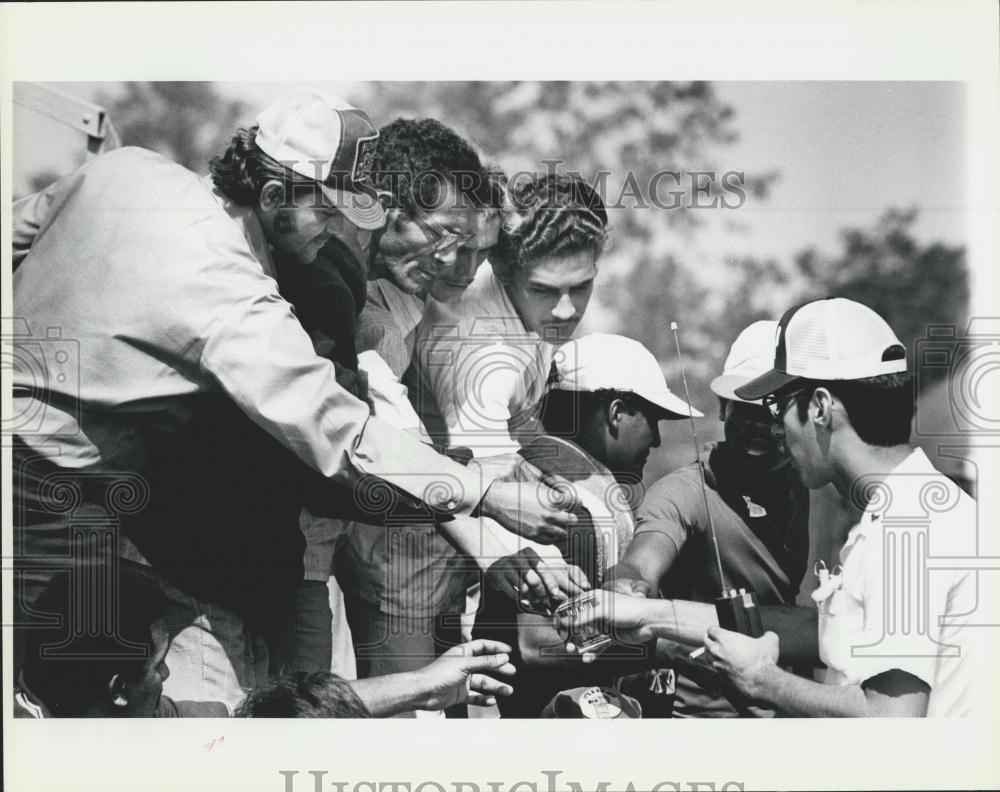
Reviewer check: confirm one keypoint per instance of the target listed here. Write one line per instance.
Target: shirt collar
(249, 223)
(915, 462)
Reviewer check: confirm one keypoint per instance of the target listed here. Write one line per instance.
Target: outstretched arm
(750, 666)
(460, 675)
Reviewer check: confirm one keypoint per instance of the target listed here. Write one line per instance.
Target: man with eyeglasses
(759, 510)
(165, 281)
(443, 208)
(898, 635)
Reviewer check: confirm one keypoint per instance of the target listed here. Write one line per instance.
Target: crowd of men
(351, 353)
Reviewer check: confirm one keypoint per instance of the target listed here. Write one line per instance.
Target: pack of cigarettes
(586, 638)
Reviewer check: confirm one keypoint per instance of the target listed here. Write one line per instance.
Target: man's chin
(558, 333)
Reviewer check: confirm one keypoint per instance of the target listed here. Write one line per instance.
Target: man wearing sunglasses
(759, 510)
(844, 402)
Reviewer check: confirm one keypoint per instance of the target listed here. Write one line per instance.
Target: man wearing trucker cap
(897, 634)
(154, 288)
(759, 511)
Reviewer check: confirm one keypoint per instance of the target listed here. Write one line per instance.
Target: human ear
(118, 690)
(822, 407)
(272, 195)
(613, 414)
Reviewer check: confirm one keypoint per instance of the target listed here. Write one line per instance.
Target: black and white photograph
(445, 398)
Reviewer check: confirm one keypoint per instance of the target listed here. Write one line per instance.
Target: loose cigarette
(697, 653)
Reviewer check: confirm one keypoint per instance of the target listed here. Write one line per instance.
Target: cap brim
(360, 208)
(724, 386)
(767, 383)
(674, 407)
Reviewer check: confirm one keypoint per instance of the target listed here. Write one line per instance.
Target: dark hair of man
(303, 695)
(552, 214)
(416, 158)
(879, 408)
(70, 673)
(564, 413)
(243, 170)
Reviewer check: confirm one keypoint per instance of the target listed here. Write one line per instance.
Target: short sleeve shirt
(905, 602)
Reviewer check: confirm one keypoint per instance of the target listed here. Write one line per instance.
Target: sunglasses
(777, 406)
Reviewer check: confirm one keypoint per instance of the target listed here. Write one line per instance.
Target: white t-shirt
(905, 602)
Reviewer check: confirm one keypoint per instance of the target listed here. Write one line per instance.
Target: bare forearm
(389, 695)
(681, 621)
(800, 697)
(687, 622)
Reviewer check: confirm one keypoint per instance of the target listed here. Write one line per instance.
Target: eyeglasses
(778, 405)
(442, 241)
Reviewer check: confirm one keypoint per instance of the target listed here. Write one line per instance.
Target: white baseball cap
(830, 339)
(751, 355)
(602, 361)
(330, 142)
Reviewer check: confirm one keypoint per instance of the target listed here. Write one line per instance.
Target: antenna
(697, 459)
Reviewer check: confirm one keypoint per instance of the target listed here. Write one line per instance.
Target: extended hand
(744, 660)
(630, 587)
(533, 510)
(623, 617)
(525, 577)
(461, 675)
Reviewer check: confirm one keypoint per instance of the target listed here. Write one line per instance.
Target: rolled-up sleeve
(259, 354)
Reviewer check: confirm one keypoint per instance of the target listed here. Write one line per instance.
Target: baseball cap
(751, 355)
(604, 361)
(330, 142)
(829, 339)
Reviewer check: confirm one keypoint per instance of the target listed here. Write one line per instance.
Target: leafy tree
(190, 122)
(910, 284)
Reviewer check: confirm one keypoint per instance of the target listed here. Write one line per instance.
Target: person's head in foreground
(111, 673)
(751, 443)
(442, 208)
(547, 252)
(303, 695)
(607, 394)
(838, 390)
(305, 169)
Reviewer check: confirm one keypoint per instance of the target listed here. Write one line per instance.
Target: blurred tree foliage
(190, 122)
(619, 135)
(886, 268)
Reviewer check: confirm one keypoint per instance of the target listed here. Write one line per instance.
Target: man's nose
(564, 308)
(778, 429)
(446, 257)
(465, 265)
(656, 437)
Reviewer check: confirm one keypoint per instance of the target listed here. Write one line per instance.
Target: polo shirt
(903, 602)
(763, 549)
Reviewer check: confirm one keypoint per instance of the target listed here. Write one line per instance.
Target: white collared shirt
(899, 604)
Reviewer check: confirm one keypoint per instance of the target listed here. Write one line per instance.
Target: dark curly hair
(243, 169)
(552, 214)
(319, 694)
(416, 158)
